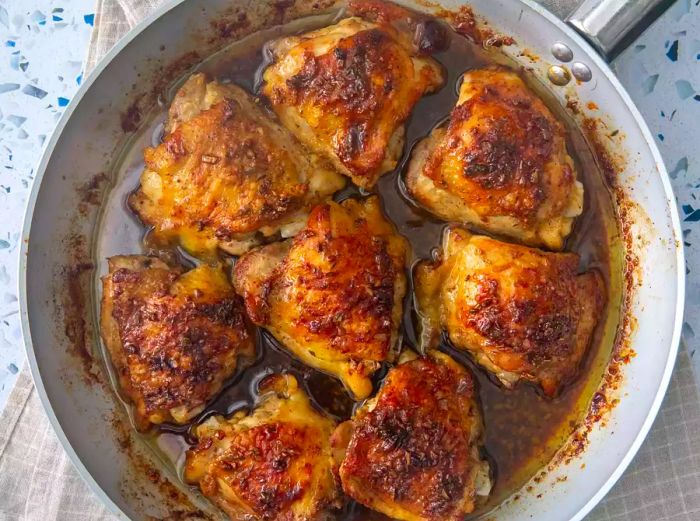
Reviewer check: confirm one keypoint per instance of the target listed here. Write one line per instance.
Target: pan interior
(523, 430)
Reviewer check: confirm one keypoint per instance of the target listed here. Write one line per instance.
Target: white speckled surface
(42, 48)
(43, 43)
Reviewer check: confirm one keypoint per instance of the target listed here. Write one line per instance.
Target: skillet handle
(611, 25)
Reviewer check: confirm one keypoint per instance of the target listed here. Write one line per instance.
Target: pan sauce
(523, 430)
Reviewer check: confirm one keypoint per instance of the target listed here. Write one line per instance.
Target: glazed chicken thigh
(413, 451)
(500, 164)
(226, 174)
(347, 90)
(173, 337)
(272, 464)
(333, 295)
(522, 313)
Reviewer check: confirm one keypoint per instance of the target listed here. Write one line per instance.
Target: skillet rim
(565, 32)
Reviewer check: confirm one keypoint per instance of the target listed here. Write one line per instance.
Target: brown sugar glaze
(523, 429)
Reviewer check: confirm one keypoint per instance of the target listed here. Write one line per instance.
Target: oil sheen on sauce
(523, 429)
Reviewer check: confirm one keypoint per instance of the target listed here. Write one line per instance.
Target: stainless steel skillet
(64, 209)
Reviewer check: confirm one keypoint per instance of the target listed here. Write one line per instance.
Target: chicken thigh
(500, 164)
(413, 451)
(333, 295)
(226, 175)
(347, 90)
(522, 313)
(173, 337)
(272, 464)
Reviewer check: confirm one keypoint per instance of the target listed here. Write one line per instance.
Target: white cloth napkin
(38, 482)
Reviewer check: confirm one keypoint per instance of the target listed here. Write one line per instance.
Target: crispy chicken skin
(272, 464)
(173, 337)
(227, 174)
(333, 294)
(500, 164)
(412, 452)
(347, 90)
(522, 313)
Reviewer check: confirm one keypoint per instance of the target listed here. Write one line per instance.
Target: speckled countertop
(43, 44)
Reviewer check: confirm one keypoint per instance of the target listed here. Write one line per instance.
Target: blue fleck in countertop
(43, 43)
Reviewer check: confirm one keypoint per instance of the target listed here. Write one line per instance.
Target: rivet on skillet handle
(562, 52)
(611, 25)
(558, 75)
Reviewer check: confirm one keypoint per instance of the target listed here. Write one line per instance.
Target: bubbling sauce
(523, 430)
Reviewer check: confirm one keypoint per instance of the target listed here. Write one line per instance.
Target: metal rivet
(581, 71)
(562, 52)
(558, 75)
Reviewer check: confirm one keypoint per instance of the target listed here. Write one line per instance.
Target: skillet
(64, 224)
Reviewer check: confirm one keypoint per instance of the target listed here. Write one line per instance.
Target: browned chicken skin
(173, 337)
(332, 295)
(412, 452)
(523, 314)
(272, 464)
(347, 90)
(500, 164)
(227, 174)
